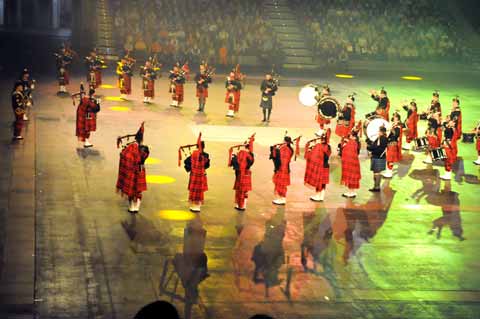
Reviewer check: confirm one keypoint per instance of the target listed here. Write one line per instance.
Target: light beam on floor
(152, 161)
(119, 108)
(114, 98)
(344, 76)
(178, 215)
(160, 179)
(412, 78)
(107, 86)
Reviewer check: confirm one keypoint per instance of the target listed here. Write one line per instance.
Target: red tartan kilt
(150, 91)
(178, 93)
(393, 153)
(91, 123)
(197, 185)
(341, 130)
(141, 181)
(281, 179)
(478, 144)
(243, 182)
(316, 176)
(351, 174)
(66, 78)
(433, 142)
(98, 78)
(127, 85)
(412, 132)
(202, 93)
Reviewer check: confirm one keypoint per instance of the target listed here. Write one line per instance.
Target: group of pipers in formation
(384, 134)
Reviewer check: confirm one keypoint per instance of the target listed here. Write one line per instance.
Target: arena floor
(95, 260)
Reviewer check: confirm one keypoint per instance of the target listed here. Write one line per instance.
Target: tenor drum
(328, 107)
(421, 143)
(371, 126)
(438, 154)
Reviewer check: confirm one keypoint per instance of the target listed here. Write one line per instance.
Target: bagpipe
(275, 77)
(239, 75)
(80, 94)
(92, 98)
(296, 152)
(181, 73)
(96, 62)
(124, 141)
(188, 147)
(248, 144)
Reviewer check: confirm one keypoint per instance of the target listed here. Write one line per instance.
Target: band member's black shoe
(374, 190)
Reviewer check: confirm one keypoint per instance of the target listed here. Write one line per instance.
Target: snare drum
(421, 143)
(438, 154)
(468, 137)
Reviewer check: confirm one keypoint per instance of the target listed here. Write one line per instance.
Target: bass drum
(309, 95)
(328, 107)
(372, 125)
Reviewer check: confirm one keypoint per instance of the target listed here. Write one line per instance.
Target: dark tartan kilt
(178, 96)
(378, 165)
(150, 91)
(393, 153)
(197, 185)
(351, 173)
(65, 79)
(267, 103)
(281, 178)
(243, 182)
(91, 122)
(98, 78)
(127, 84)
(202, 92)
(478, 144)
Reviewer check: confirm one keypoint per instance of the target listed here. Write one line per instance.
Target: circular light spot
(159, 179)
(119, 108)
(152, 161)
(178, 215)
(412, 78)
(113, 98)
(107, 86)
(344, 76)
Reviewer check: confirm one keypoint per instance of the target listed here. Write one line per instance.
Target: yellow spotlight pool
(344, 76)
(152, 161)
(412, 78)
(159, 179)
(107, 86)
(114, 98)
(178, 215)
(119, 108)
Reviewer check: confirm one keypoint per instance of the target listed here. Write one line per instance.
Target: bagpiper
(317, 170)
(456, 116)
(233, 84)
(64, 58)
(28, 88)
(378, 150)
(95, 64)
(394, 148)
(241, 162)
(268, 87)
(125, 73)
(346, 118)
(196, 165)
(18, 107)
(131, 181)
(281, 154)
(383, 106)
(202, 79)
(449, 145)
(177, 80)
(411, 124)
(86, 120)
(349, 150)
(148, 74)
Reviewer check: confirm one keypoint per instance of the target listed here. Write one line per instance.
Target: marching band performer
(132, 180)
(323, 122)
(317, 167)
(268, 88)
(456, 116)
(148, 75)
(196, 164)
(433, 142)
(449, 144)
(241, 163)
(435, 106)
(125, 73)
(233, 85)
(177, 80)
(281, 155)
(18, 107)
(394, 148)
(95, 64)
(346, 118)
(87, 110)
(411, 124)
(28, 87)
(378, 149)
(202, 79)
(64, 58)
(477, 136)
(349, 151)
(383, 107)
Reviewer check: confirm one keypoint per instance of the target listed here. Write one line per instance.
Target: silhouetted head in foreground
(261, 317)
(158, 309)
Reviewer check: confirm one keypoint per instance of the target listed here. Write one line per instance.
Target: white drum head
(373, 128)
(308, 95)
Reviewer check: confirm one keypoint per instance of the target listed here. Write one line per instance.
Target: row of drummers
(440, 137)
(149, 73)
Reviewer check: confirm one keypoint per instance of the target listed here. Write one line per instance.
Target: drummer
(383, 107)
(456, 116)
(450, 146)
(324, 122)
(433, 143)
(477, 135)
(394, 148)
(346, 118)
(411, 124)
(378, 150)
